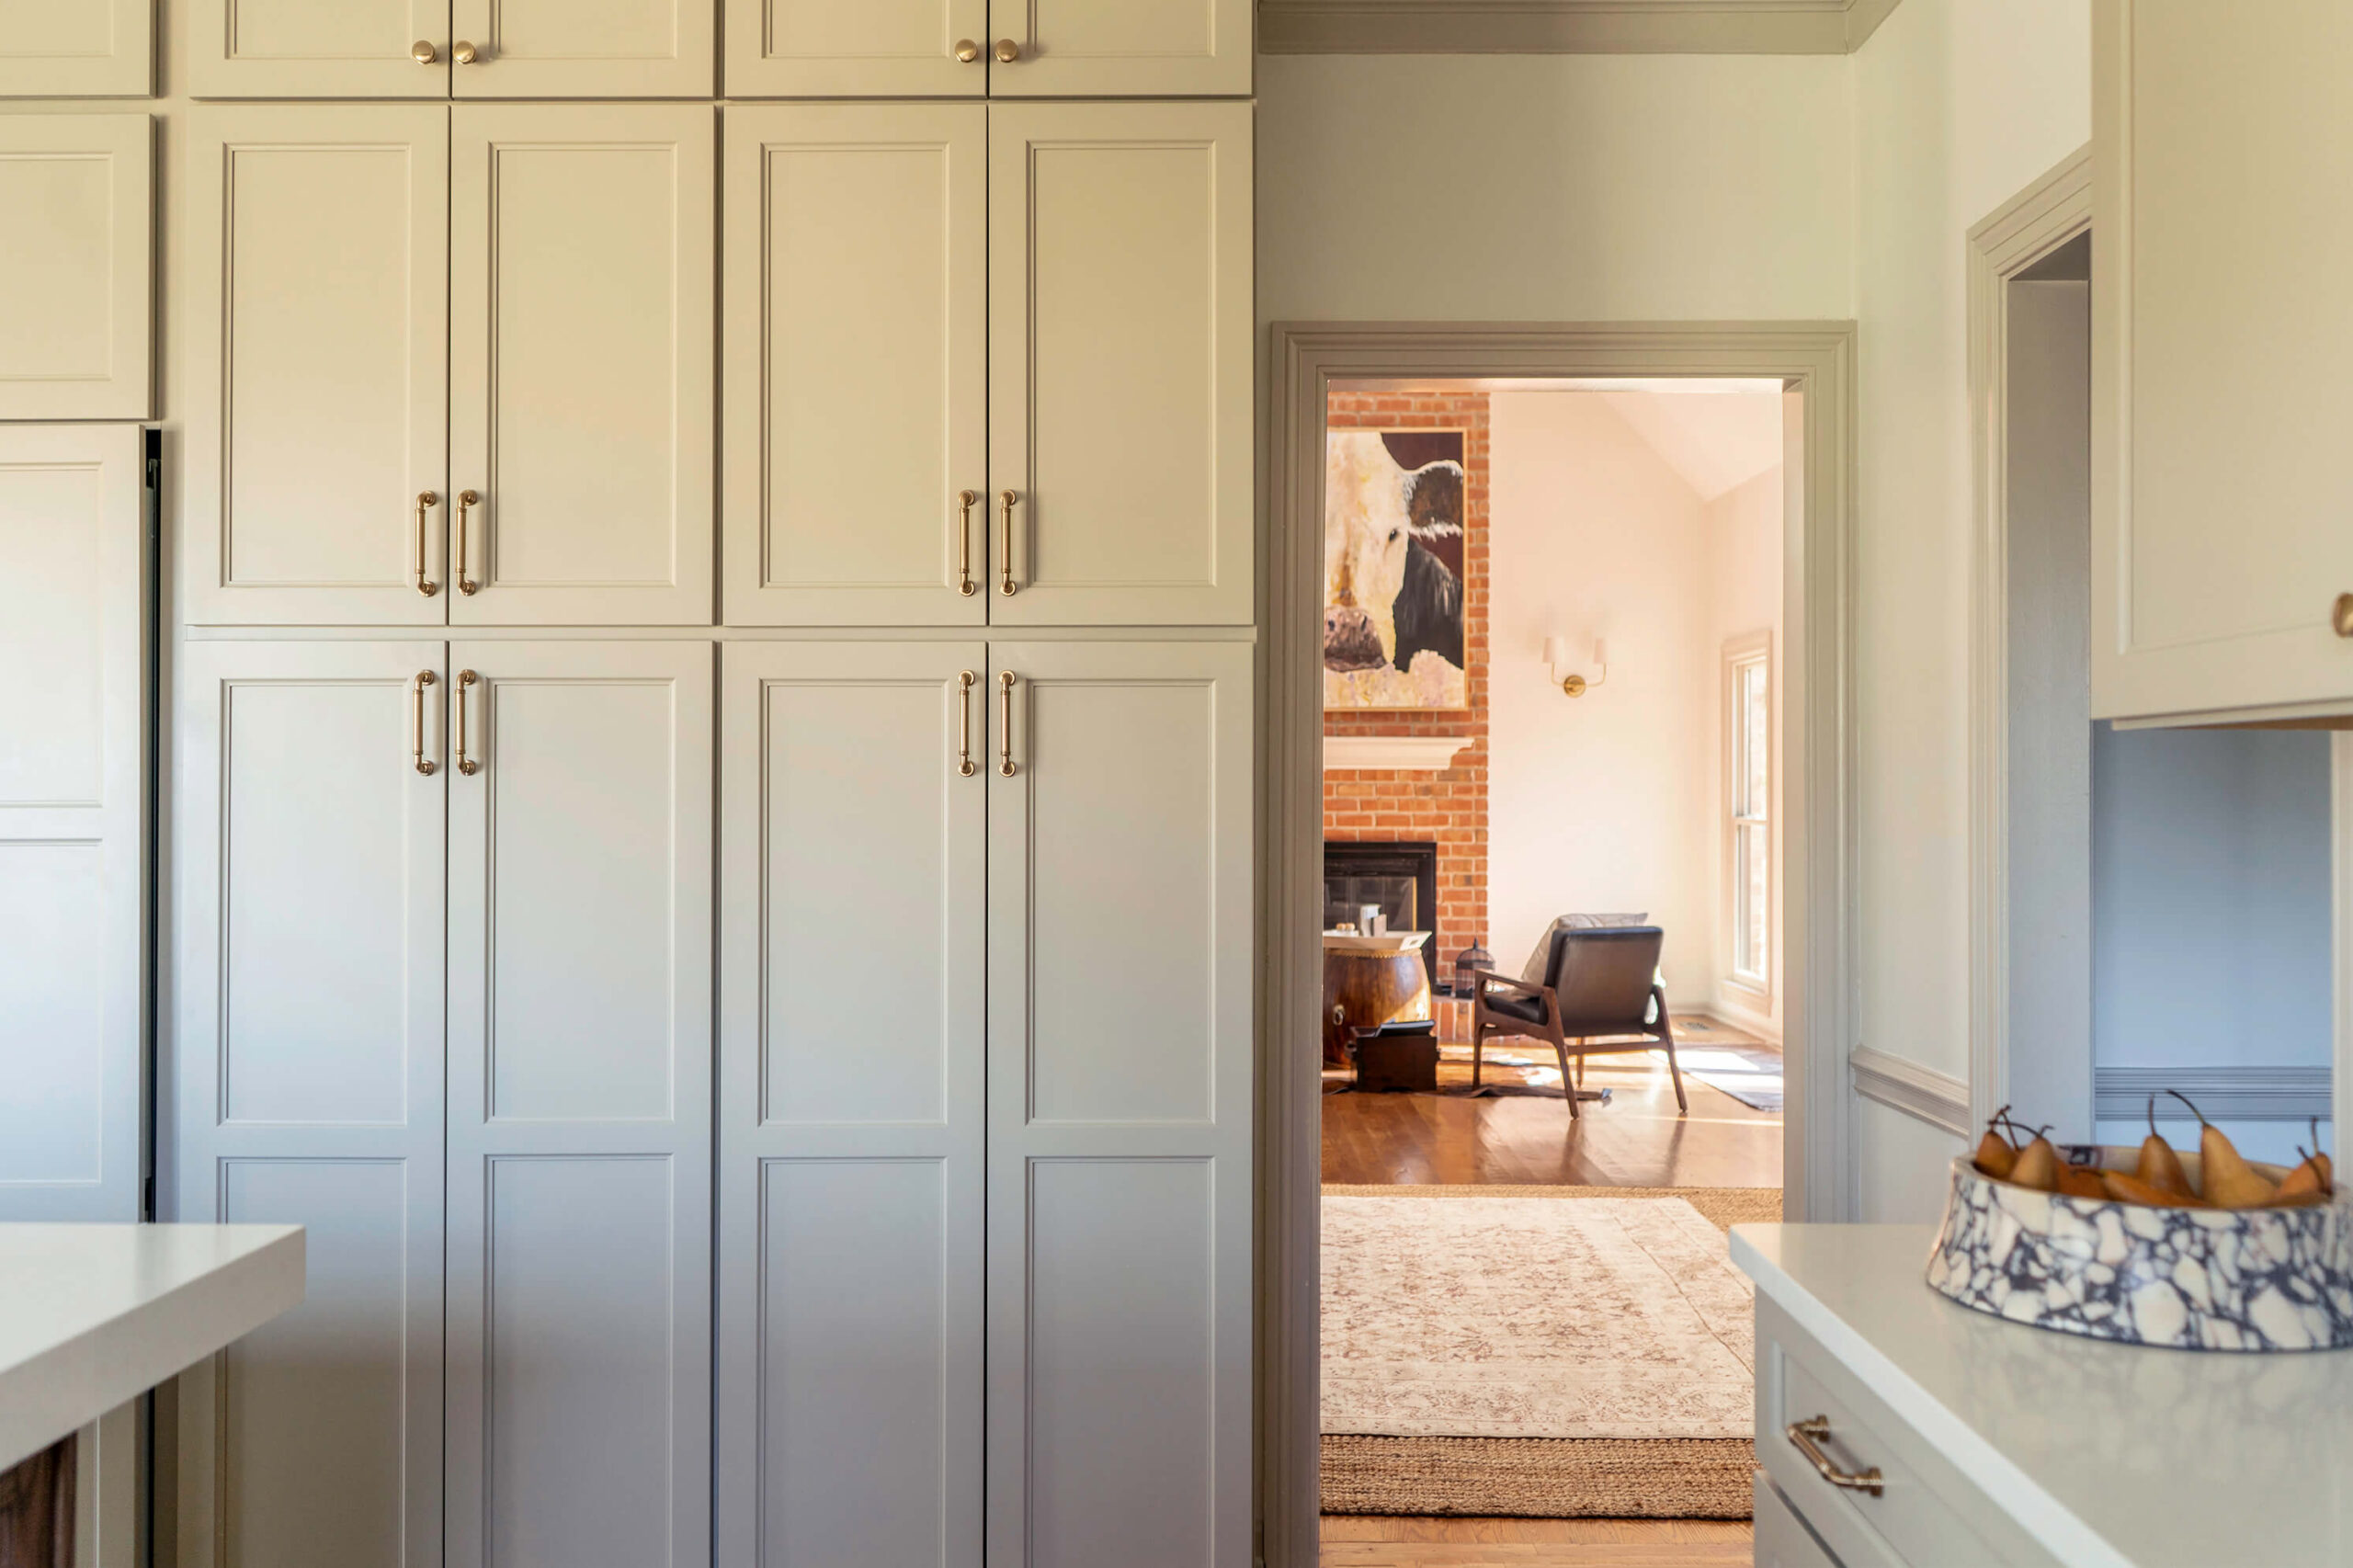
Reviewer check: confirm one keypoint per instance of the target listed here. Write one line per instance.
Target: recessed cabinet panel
(2223, 517)
(73, 824)
(318, 268)
(1162, 49)
(1119, 362)
(77, 253)
(857, 365)
(586, 49)
(855, 787)
(77, 48)
(785, 49)
(579, 1128)
(317, 49)
(308, 1082)
(583, 262)
(1118, 1187)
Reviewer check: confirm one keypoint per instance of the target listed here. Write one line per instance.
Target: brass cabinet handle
(463, 53)
(1005, 729)
(467, 501)
(425, 764)
(965, 501)
(468, 766)
(1007, 52)
(1005, 582)
(967, 51)
(423, 51)
(1808, 1436)
(2341, 617)
(965, 766)
(426, 501)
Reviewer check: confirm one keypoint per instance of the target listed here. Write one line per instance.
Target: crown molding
(1567, 26)
(1409, 754)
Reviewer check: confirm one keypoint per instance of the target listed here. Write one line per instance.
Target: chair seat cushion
(1511, 1005)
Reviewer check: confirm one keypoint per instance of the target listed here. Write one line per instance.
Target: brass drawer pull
(2341, 615)
(423, 51)
(1005, 582)
(426, 501)
(467, 501)
(967, 51)
(965, 766)
(425, 764)
(464, 53)
(965, 501)
(1007, 52)
(1005, 765)
(468, 766)
(1808, 1437)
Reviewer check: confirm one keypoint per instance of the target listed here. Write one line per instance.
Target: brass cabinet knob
(967, 51)
(423, 51)
(1007, 52)
(463, 53)
(2342, 616)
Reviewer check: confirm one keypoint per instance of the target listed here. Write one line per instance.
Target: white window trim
(1752, 647)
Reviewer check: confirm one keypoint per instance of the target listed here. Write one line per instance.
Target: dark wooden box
(1397, 1062)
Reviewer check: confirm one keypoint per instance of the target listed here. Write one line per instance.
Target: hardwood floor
(1637, 1140)
(1352, 1541)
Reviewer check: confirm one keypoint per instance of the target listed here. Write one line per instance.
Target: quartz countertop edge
(1755, 1251)
(93, 1315)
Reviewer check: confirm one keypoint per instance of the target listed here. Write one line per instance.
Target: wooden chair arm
(1488, 977)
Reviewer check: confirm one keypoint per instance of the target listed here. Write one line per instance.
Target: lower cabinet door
(579, 1125)
(1119, 1108)
(851, 898)
(1782, 1538)
(306, 1070)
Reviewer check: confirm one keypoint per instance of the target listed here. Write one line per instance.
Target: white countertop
(92, 1315)
(2112, 1456)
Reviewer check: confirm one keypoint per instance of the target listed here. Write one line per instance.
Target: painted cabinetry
(988, 48)
(451, 365)
(2223, 514)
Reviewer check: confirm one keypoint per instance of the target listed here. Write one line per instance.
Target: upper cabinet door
(318, 49)
(1156, 49)
(73, 820)
(77, 48)
(318, 278)
(582, 258)
(856, 460)
(584, 49)
(784, 49)
(76, 249)
(1120, 363)
(2222, 510)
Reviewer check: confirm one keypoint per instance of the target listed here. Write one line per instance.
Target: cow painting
(1392, 569)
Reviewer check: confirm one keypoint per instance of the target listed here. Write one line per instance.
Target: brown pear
(2160, 1167)
(2227, 1181)
(2132, 1189)
(2038, 1165)
(2082, 1181)
(1994, 1153)
(2311, 1182)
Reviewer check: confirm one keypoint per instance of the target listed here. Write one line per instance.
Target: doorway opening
(1541, 606)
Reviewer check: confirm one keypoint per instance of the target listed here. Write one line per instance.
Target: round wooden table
(1364, 990)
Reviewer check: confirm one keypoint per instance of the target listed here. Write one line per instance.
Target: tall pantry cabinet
(712, 779)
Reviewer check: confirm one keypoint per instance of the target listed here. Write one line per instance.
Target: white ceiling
(1715, 441)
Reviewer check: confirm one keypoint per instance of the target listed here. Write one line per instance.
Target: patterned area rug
(1485, 1354)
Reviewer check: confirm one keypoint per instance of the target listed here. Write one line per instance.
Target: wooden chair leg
(1667, 1036)
(1568, 1087)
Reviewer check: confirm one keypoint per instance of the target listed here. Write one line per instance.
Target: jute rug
(1541, 1321)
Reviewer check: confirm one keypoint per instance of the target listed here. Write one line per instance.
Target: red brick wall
(1380, 805)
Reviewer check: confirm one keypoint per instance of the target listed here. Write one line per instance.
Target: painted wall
(1959, 104)
(2211, 895)
(1613, 801)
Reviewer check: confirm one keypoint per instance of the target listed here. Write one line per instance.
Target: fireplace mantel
(1420, 754)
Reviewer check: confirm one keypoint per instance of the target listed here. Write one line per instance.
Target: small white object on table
(2104, 1455)
(93, 1315)
(1380, 942)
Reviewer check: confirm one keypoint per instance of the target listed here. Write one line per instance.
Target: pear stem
(2186, 1100)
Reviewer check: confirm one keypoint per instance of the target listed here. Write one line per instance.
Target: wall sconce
(1556, 653)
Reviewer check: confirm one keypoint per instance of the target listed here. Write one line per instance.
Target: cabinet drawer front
(1926, 1515)
(899, 48)
(1784, 1539)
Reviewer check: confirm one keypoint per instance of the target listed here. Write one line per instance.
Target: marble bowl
(2189, 1278)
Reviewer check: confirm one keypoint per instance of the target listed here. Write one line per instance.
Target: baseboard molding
(1567, 26)
(2224, 1093)
(1735, 1020)
(1938, 1099)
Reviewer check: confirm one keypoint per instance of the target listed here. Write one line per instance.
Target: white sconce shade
(1556, 652)
(1600, 652)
